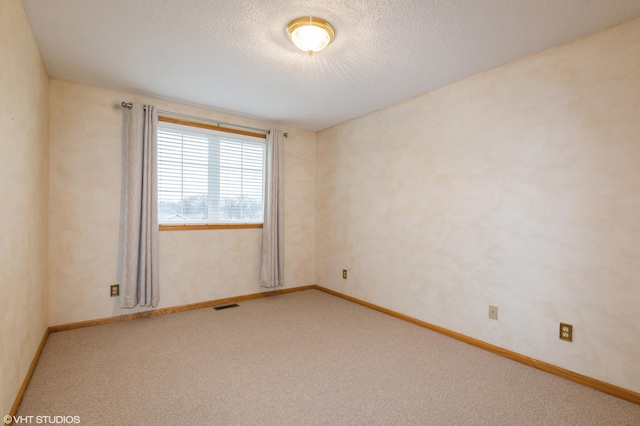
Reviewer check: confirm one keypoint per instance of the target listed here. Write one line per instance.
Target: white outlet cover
(493, 312)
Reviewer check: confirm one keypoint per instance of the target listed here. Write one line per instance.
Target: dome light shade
(310, 34)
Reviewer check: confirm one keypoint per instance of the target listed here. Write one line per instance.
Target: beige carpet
(297, 359)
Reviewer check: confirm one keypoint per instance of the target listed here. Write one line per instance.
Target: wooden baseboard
(174, 309)
(541, 365)
(27, 379)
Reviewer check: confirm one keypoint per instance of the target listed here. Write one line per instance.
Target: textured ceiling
(233, 55)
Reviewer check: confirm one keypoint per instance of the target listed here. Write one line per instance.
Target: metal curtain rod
(129, 105)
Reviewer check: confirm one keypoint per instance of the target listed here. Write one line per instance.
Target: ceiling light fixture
(310, 34)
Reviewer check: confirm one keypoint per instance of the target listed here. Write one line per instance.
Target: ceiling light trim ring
(310, 21)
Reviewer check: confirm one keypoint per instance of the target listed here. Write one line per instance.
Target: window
(209, 177)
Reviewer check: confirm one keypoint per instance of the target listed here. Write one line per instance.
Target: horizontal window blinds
(209, 178)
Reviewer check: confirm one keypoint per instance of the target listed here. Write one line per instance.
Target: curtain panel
(272, 262)
(140, 271)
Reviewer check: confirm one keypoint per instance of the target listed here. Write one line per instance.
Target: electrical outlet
(344, 274)
(566, 332)
(115, 290)
(493, 312)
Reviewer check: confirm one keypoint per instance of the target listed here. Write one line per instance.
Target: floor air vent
(221, 307)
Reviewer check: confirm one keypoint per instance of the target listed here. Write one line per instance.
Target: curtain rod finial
(126, 105)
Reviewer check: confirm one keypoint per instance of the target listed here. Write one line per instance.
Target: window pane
(205, 178)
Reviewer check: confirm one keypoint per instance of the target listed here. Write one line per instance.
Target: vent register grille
(205, 177)
(219, 308)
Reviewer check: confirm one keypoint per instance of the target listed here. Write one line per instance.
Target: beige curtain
(140, 255)
(272, 264)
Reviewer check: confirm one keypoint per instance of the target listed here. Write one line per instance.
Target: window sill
(201, 227)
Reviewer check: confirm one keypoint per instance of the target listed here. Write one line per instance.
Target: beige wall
(519, 187)
(195, 266)
(23, 197)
